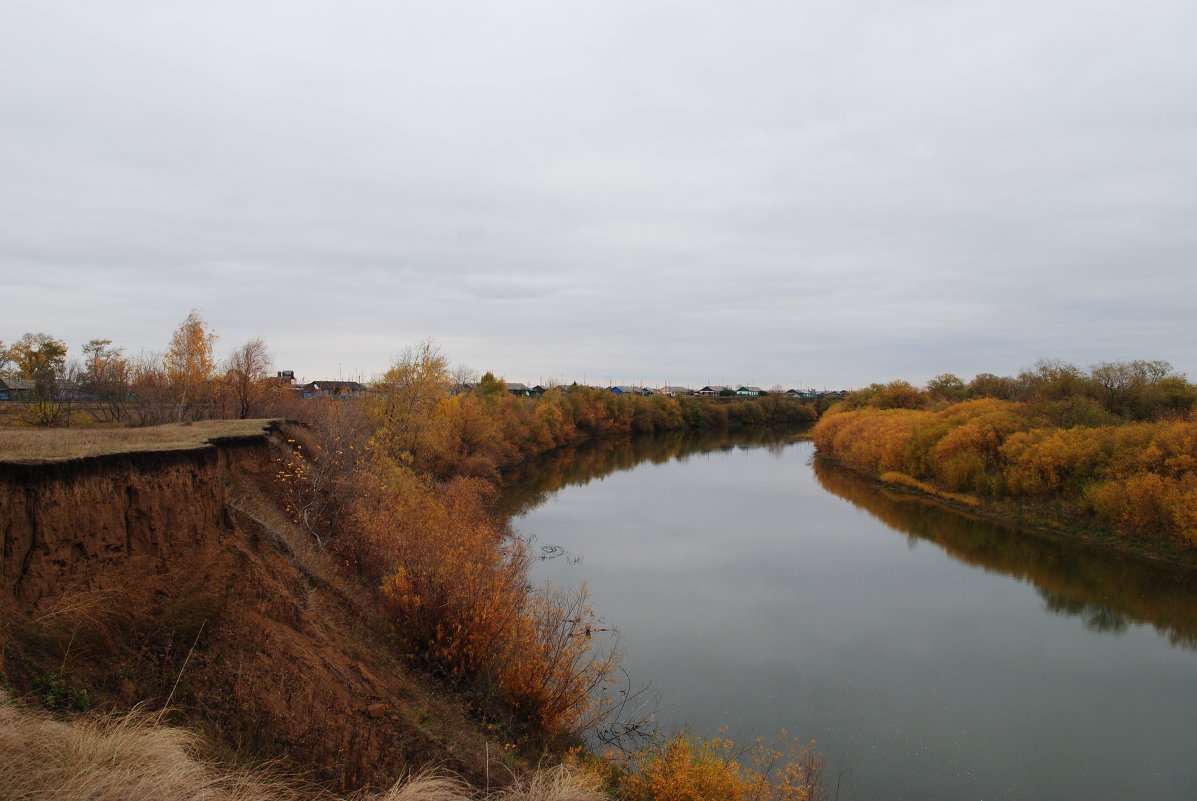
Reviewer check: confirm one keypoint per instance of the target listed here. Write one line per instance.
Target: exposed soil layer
(173, 577)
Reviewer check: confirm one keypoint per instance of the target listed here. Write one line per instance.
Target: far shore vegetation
(1109, 451)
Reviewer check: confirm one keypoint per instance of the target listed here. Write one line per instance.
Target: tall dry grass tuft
(561, 783)
(427, 785)
(115, 759)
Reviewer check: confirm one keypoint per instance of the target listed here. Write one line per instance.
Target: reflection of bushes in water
(1096, 618)
(536, 481)
(1106, 588)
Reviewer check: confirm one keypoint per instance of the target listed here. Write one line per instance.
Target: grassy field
(25, 444)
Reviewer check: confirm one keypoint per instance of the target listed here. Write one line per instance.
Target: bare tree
(246, 373)
(105, 373)
(150, 388)
(462, 379)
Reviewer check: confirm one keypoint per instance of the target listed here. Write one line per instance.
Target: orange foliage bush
(1041, 461)
(685, 768)
(554, 666)
(459, 596)
(1136, 477)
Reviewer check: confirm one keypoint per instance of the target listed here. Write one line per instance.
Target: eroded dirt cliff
(174, 579)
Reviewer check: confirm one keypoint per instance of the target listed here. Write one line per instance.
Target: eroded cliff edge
(174, 576)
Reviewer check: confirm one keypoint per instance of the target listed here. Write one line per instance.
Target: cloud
(849, 193)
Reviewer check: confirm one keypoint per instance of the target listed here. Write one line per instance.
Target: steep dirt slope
(172, 577)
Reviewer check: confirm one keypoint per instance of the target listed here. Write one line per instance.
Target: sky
(797, 193)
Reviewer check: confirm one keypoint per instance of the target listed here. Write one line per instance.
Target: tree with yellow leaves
(189, 364)
(406, 396)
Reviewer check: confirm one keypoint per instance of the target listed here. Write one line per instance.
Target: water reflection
(535, 482)
(1101, 619)
(1106, 589)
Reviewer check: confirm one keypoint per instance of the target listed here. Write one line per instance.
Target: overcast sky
(823, 194)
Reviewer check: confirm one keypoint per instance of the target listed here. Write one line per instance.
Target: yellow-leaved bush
(684, 767)
(1135, 478)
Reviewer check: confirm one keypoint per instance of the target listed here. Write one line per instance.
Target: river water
(930, 655)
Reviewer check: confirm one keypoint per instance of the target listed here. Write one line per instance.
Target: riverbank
(1130, 486)
(270, 588)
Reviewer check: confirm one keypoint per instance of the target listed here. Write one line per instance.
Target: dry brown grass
(113, 759)
(123, 757)
(23, 444)
(902, 480)
(561, 783)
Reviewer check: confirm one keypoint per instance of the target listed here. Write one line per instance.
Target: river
(929, 654)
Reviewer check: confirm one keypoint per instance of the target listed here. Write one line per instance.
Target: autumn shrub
(1135, 477)
(467, 439)
(1046, 460)
(967, 454)
(1172, 450)
(456, 584)
(1076, 411)
(559, 428)
(684, 767)
(555, 667)
(871, 440)
(459, 596)
(1147, 503)
(1183, 508)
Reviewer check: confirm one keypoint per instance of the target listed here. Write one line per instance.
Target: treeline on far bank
(1112, 448)
(478, 433)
